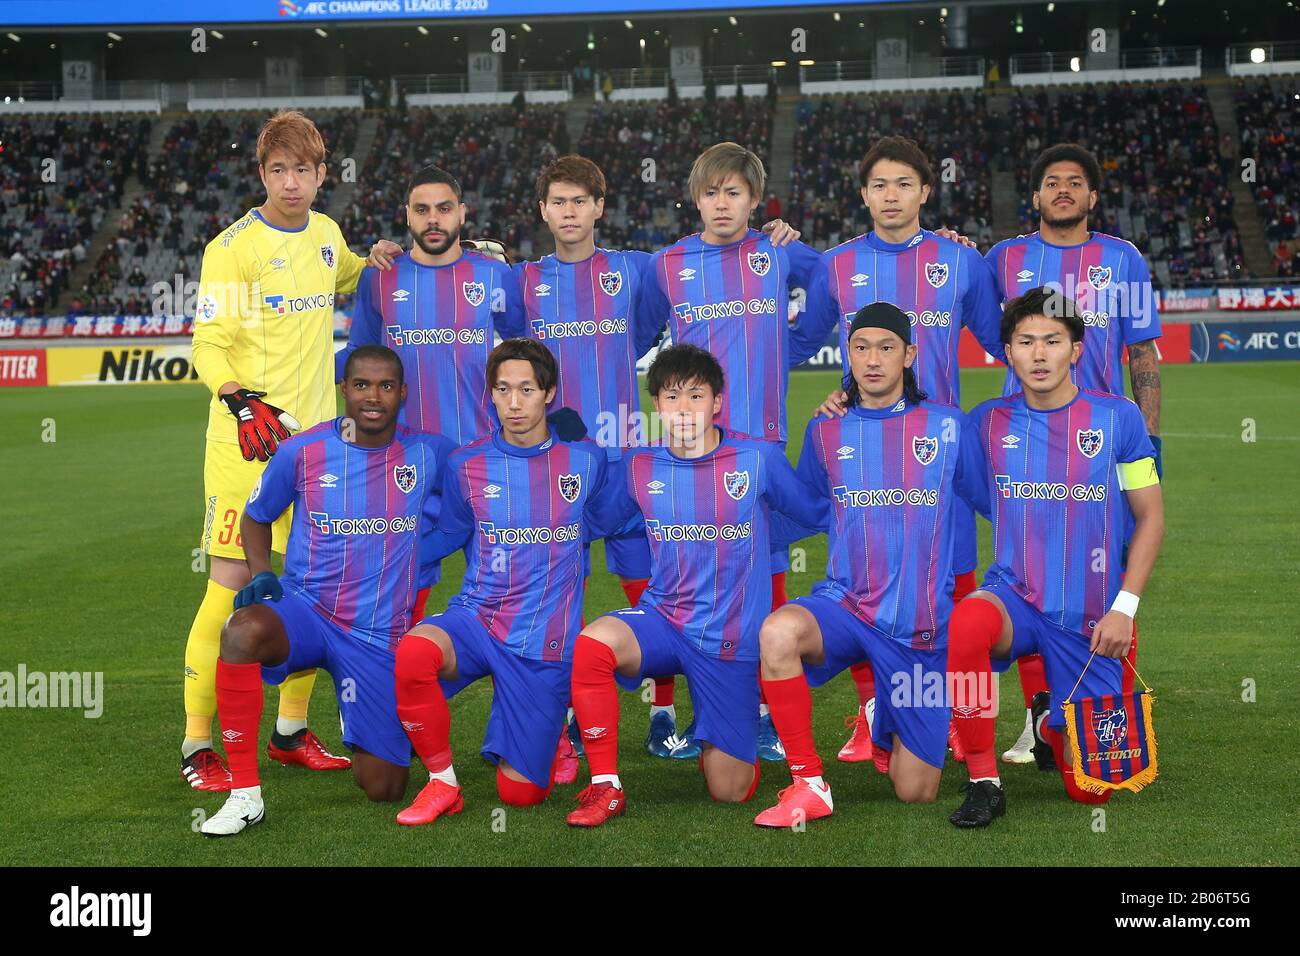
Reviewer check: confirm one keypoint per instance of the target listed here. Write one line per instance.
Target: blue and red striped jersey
(1109, 281)
(440, 320)
(733, 301)
(585, 313)
(708, 523)
(526, 514)
(940, 284)
(357, 513)
(891, 477)
(1059, 515)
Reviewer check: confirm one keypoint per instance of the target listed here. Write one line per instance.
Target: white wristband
(1126, 602)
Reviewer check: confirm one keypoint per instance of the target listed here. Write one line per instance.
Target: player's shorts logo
(1089, 440)
(936, 273)
(327, 254)
(474, 293)
(924, 448)
(405, 476)
(736, 483)
(1111, 727)
(1099, 277)
(759, 263)
(570, 485)
(611, 282)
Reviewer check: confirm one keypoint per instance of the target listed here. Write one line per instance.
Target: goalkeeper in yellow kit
(264, 345)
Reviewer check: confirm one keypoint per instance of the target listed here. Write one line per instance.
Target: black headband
(883, 315)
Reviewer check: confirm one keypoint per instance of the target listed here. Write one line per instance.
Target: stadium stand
(1268, 116)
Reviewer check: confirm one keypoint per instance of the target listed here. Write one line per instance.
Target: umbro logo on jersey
(844, 452)
(278, 263)
(400, 295)
(1010, 441)
(492, 491)
(1024, 275)
(686, 274)
(859, 280)
(327, 480)
(655, 487)
(902, 404)
(915, 239)
(541, 291)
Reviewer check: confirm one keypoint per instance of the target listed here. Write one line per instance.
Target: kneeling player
(358, 486)
(524, 501)
(705, 497)
(1066, 469)
(891, 469)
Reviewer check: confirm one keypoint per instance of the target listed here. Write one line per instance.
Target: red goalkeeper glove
(261, 426)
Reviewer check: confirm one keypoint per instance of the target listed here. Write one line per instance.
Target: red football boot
(304, 749)
(797, 804)
(566, 761)
(437, 799)
(205, 770)
(954, 744)
(596, 804)
(858, 747)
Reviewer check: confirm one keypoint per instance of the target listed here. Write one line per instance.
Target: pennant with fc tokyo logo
(1113, 741)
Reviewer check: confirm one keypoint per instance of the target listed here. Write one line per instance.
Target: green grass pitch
(96, 568)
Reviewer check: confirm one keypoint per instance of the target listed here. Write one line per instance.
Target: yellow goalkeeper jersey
(264, 316)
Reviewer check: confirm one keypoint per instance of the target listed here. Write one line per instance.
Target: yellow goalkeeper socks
(295, 693)
(201, 650)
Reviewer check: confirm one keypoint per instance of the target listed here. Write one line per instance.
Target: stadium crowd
(1268, 116)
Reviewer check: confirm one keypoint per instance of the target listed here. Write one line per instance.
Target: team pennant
(1112, 741)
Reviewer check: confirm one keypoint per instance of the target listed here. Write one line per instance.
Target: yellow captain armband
(1137, 474)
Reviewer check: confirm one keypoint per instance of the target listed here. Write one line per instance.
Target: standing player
(525, 502)
(358, 487)
(264, 346)
(705, 496)
(437, 308)
(890, 469)
(726, 290)
(1066, 471)
(1109, 280)
(942, 285)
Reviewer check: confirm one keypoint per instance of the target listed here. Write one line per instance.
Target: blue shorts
(965, 545)
(628, 557)
(530, 699)
(368, 712)
(724, 694)
(1064, 654)
(911, 697)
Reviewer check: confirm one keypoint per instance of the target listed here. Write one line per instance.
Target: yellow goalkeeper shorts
(227, 482)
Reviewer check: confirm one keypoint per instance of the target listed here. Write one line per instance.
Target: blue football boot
(769, 744)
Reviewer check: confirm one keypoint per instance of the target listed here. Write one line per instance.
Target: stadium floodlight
(1257, 55)
(1074, 64)
(1051, 8)
(628, 24)
(114, 37)
(424, 31)
(807, 62)
(943, 11)
(778, 63)
(218, 34)
(15, 37)
(321, 33)
(526, 28)
(836, 16)
(731, 20)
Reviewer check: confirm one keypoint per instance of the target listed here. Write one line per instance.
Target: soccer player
(525, 502)
(726, 289)
(942, 285)
(437, 307)
(705, 496)
(891, 469)
(1066, 470)
(1109, 280)
(358, 487)
(263, 345)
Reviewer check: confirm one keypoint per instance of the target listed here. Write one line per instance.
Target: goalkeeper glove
(493, 248)
(568, 424)
(261, 426)
(1160, 465)
(264, 587)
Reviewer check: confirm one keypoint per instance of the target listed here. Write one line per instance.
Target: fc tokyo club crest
(474, 293)
(936, 273)
(1090, 441)
(736, 483)
(1111, 727)
(611, 282)
(1099, 277)
(327, 254)
(759, 263)
(924, 448)
(405, 475)
(570, 485)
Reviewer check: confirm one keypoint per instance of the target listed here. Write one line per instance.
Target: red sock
(665, 691)
(421, 599)
(421, 704)
(1033, 678)
(962, 585)
(1072, 790)
(520, 793)
(864, 679)
(634, 588)
(973, 630)
(239, 708)
(778, 590)
(595, 703)
(753, 787)
(790, 702)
